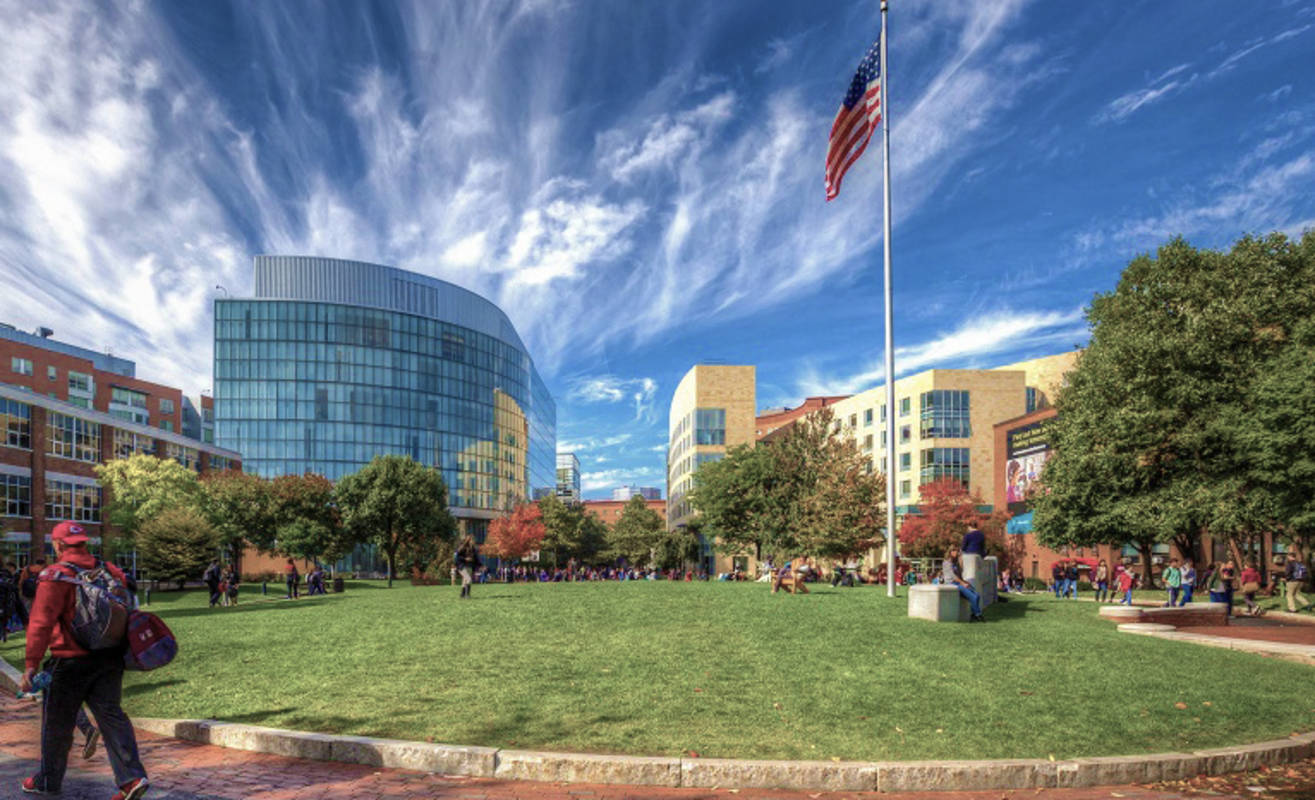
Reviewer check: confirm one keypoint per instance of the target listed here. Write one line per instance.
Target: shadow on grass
(146, 688)
(242, 608)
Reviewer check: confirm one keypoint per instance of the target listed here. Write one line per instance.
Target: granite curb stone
(920, 776)
(525, 765)
(835, 776)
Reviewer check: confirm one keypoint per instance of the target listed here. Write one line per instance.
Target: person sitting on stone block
(952, 575)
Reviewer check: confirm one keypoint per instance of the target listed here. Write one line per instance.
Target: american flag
(857, 119)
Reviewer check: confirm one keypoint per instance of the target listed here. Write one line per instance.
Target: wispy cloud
(590, 444)
(1254, 45)
(983, 335)
(640, 392)
(608, 478)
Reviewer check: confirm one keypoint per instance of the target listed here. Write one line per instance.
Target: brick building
(771, 419)
(609, 511)
(48, 457)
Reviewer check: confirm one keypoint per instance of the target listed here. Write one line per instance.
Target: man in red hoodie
(77, 676)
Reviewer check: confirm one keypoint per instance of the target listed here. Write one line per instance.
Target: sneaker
(132, 790)
(30, 787)
(89, 747)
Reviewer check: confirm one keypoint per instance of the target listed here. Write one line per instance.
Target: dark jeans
(96, 680)
(293, 588)
(215, 596)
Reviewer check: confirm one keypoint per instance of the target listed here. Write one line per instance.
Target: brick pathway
(1266, 629)
(186, 771)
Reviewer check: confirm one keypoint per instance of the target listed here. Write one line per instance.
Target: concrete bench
(938, 603)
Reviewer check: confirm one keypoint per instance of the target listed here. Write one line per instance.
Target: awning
(1020, 524)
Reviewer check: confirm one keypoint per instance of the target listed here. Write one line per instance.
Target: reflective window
(72, 501)
(945, 414)
(16, 423)
(22, 366)
(72, 437)
(710, 426)
(16, 493)
(128, 443)
(944, 462)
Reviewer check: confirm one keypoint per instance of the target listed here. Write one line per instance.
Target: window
(883, 438)
(189, 457)
(867, 442)
(220, 463)
(710, 426)
(15, 424)
(80, 402)
(51, 373)
(79, 381)
(74, 501)
(23, 366)
(905, 462)
(1031, 399)
(883, 412)
(71, 437)
(905, 488)
(945, 414)
(128, 397)
(167, 425)
(905, 434)
(127, 444)
(867, 417)
(16, 495)
(702, 458)
(904, 404)
(853, 420)
(166, 405)
(944, 462)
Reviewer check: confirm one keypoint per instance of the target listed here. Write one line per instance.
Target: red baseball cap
(70, 533)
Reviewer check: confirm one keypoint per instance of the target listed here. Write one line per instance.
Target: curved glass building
(333, 362)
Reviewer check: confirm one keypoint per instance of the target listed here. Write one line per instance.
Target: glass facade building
(333, 362)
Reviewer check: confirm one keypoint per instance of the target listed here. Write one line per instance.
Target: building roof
(101, 361)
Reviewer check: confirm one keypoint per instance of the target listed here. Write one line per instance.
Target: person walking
(1102, 581)
(1173, 581)
(1125, 587)
(952, 575)
(1189, 582)
(1250, 579)
(1071, 580)
(1294, 572)
(1057, 578)
(293, 579)
(1227, 584)
(211, 579)
(467, 558)
(230, 584)
(77, 675)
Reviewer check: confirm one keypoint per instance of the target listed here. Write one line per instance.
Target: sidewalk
(185, 771)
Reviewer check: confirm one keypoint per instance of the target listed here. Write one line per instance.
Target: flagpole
(890, 326)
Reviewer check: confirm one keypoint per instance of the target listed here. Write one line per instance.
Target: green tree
(400, 505)
(678, 547)
(307, 523)
(176, 544)
(636, 534)
(142, 487)
(240, 507)
(807, 492)
(569, 532)
(1147, 447)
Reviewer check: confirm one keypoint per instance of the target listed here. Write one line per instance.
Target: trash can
(337, 585)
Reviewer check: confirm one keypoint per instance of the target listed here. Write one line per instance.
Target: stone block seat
(938, 603)
(1178, 616)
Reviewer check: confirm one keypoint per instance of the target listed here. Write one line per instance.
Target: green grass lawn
(725, 670)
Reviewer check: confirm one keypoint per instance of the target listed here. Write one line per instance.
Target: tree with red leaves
(945, 512)
(516, 534)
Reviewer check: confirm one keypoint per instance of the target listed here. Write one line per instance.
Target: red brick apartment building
(609, 511)
(63, 410)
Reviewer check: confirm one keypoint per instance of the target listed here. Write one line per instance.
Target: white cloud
(608, 478)
(982, 335)
(612, 389)
(591, 443)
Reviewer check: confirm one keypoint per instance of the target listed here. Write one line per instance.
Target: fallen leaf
(863, 718)
(1207, 704)
(776, 706)
(691, 754)
(733, 791)
(1052, 756)
(1024, 692)
(699, 690)
(815, 796)
(835, 758)
(1180, 705)
(940, 730)
(429, 739)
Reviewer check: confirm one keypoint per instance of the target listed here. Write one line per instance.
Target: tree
(569, 532)
(678, 547)
(945, 512)
(515, 534)
(240, 507)
(808, 492)
(1147, 445)
(306, 518)
(176, 544)
(636, 534)
(400, 505)
(142, 487)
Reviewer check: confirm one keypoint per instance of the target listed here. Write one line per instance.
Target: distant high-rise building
(568, 478)
(646, 492)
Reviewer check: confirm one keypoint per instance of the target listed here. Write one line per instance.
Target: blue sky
(639, 184)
